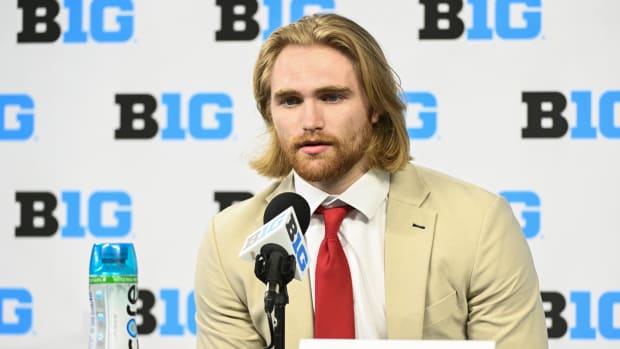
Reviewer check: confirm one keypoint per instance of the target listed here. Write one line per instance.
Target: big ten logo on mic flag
(282, 230)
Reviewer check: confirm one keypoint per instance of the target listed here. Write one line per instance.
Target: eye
(332, 98)
(290, 101)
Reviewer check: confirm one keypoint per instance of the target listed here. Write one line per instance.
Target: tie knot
(332, 217)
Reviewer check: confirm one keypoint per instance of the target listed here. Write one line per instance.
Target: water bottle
(113, 296)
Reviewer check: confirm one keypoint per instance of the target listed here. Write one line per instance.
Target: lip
(313, 147)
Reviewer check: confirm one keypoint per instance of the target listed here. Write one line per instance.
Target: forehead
(308, 67)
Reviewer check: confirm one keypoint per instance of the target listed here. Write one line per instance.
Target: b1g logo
(16, 117)
(109, 21)
(424, 106)
(179, 312)
(583, 327)
(546, 118)
(15, 311)
(442, 19)
(239, 24)
(108, 214)
(137, 116)
(526, 205)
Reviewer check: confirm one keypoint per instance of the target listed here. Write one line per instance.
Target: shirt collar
(365, 195)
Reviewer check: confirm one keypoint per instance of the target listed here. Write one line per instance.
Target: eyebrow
(323, 90)
(334, 89)
(284, 93)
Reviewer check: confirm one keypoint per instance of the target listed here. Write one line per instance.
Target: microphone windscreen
(285, 200)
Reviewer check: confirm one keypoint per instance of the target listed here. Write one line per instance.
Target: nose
(311, 117)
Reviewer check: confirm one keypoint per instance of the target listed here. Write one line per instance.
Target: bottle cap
(113, 258)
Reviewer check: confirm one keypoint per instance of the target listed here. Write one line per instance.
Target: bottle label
(113, 309)
(113, 279)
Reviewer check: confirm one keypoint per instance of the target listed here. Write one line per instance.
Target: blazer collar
(407, 186)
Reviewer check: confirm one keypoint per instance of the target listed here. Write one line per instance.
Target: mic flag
(286, 219)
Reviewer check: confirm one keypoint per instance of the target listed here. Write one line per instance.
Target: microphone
(279, 252)
(286, 219)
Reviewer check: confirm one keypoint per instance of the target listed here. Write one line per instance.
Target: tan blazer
(457, 266)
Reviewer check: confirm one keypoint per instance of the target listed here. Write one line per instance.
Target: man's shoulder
(444, 188)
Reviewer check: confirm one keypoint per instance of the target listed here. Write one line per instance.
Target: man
(427, 256)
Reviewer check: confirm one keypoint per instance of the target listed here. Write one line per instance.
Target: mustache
(315, 139)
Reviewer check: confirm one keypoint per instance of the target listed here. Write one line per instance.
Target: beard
(340, 158)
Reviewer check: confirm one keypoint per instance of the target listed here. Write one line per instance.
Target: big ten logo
(582, 326)
(546, 117)
(177, 317)
(209, 116)
(421, 116)
(107, 214)
(513, 19)
(16, 117)
(107, 21)
(526, 205)
(15, 311)
(295, 235)
(238, 22)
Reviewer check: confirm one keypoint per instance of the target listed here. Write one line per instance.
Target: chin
(318, 173)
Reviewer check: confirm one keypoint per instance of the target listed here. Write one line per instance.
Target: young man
(426, 256)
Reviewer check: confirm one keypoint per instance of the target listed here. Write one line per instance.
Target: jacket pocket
(441, 309)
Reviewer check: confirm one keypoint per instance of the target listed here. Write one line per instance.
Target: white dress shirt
(362, 237)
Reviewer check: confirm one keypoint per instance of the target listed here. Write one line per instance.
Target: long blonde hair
(389, 145)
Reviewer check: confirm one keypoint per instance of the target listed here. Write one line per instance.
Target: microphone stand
(280, 303)
(276, 268)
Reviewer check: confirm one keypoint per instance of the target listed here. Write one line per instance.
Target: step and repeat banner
(133, 121)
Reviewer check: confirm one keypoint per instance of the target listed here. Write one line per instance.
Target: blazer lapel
(408, 242)
(299, 291)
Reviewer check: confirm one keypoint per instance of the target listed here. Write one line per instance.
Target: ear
(374, 117)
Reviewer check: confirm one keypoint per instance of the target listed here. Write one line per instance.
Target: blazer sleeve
(504, 301)
(222, 320)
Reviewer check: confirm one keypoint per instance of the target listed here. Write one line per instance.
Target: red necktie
(333, 314)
